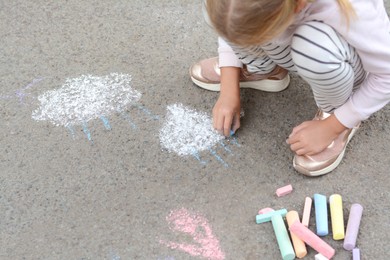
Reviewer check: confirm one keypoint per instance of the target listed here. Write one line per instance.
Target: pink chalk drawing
(195, 225)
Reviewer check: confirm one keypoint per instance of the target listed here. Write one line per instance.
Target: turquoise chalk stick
(284, 242)
(266, 217)
(321, 210)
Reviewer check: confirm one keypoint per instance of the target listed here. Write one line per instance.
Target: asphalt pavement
(103, 152)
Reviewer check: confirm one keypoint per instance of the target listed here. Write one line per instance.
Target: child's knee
(313, 34)
(317, 47)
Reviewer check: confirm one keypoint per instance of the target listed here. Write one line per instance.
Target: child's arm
(226, 112)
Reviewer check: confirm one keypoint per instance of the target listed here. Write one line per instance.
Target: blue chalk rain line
(105, 122)
(234, 141)
(86, 131)
(218, 157)
(71, 130)
(147, 112)
(225, 147)
(195, 153)
(128, 119)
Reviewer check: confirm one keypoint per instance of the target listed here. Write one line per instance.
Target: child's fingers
(222, 124)
(227, 126)
(301, 152)
(298, 149)
(293, 132)
(297, 129)
(296, 146)
(236, 123)
(292, 139)
(296, 134)
(218, 123)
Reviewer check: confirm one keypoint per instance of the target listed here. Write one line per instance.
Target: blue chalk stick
(266, 217)
(321, 211)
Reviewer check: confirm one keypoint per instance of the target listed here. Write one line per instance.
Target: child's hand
(226, 114)
(312, 137)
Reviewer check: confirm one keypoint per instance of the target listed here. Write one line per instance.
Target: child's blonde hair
(252, 22)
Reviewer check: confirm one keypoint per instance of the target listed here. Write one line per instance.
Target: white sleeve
(227, 57)
(370, 35)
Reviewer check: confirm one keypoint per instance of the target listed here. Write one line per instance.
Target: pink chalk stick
(284, 190)
(307, 211)
(310, 238)
(265, 210)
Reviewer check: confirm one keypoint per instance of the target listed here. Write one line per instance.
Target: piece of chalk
(231, 132)
(266, 217)
(306, 212)
(310, 238)
(337, 216)
(320, 257)
(299, 245)
(356, 254)
(321, 211)
(284, 190)
(265, 210)
(284, 243)
(355, 215)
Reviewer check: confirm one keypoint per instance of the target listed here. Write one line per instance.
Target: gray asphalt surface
(108, 193)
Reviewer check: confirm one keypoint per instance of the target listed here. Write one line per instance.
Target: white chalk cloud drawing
(189, 132)
(87, 98)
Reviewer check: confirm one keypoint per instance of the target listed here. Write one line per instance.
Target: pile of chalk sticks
(294, 245)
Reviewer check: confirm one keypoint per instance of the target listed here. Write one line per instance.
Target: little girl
(341, 48)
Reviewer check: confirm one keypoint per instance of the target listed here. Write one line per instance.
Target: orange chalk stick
(299, 245)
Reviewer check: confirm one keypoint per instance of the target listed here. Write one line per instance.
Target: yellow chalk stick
(337, 216)
(299, 245)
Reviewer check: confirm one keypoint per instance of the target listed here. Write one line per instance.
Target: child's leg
(328, 63)
(333, 70)
(262, 59)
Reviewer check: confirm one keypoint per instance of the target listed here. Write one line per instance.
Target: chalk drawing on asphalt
(206, 244)
(89, 98)
(189, 132)
(112, 255)
(83, 99)
(22, 94)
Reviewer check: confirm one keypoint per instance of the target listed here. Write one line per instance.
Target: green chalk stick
(266, 217)
(284, 242)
